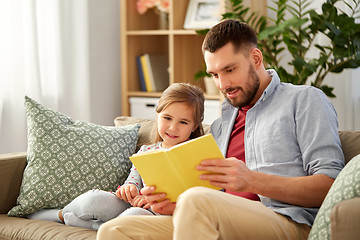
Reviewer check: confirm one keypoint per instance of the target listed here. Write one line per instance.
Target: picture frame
(202, 14)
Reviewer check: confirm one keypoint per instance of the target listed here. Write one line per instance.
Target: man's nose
(224, 83)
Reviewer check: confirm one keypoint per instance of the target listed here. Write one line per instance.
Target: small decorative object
(202, 14)
(161, 7)
(210, 86)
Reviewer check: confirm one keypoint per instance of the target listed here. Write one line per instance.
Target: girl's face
(175, 123)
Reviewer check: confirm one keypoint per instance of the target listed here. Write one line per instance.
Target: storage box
(212, 111)
(144, 108)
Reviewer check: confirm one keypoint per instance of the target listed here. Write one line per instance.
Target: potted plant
(296, 37)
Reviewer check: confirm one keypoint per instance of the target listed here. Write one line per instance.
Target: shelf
(142, 94)
(147, 32)
(160, 32)
(140, 34)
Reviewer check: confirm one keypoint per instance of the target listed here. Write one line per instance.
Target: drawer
(143, 107)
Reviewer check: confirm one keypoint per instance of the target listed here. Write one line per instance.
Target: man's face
(234, 74)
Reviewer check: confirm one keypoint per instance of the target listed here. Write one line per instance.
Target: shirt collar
(275, 81)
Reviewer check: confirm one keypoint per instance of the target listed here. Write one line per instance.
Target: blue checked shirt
(291, 131)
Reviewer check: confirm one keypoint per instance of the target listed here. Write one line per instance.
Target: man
(282, 147)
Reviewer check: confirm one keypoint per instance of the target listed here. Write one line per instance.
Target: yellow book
(173, 170)
(145, 69)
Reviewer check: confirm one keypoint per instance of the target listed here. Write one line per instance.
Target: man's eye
(167, 118)
(215, 75)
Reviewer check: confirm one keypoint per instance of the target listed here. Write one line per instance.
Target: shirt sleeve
(134, 176)
(318, 135)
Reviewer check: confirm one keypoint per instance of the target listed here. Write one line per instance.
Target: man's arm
(306, 191)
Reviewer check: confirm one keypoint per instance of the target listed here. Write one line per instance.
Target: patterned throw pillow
(66, 158)
(346, 186)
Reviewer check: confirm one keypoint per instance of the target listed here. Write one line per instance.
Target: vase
(163, 20)
(210, 86)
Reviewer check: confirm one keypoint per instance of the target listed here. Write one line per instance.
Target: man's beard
(249, 93)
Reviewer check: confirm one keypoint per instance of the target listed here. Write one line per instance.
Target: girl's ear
(196, 126)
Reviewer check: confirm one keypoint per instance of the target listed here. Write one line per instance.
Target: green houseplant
(294, 32)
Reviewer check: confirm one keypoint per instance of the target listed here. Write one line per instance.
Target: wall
(347, 102)
(104, 30)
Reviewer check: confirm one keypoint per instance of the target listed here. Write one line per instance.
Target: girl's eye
(167, 118)
(183, 122)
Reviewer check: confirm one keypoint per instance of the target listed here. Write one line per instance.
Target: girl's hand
(140, 201)
(127, 192)
(158, 201)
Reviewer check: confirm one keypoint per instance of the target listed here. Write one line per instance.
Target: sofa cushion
(66, 158)
(345, 219)
(146, 130)
(346, 186)
(25, 229)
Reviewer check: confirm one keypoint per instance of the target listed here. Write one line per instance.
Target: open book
(173, 171)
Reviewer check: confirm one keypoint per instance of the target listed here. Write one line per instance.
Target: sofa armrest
(345, 219)
(11, 171)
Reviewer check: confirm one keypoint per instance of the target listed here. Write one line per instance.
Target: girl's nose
(173, 126)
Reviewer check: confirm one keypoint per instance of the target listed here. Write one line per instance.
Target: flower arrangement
(143, 5)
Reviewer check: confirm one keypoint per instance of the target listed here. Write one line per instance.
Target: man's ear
(257, 57)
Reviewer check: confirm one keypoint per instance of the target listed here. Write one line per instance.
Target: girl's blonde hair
(184, 93)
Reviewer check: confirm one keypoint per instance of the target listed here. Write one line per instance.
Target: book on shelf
(173, 170)
(146, 73)
(157, 65)
(141, 74)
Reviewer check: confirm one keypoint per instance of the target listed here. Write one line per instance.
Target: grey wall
(104, 31)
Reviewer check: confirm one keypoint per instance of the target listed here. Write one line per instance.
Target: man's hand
(231, 174)
(127, 192)
(158, 201)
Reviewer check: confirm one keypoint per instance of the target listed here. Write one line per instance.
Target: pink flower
(163, 5)
(143, 5)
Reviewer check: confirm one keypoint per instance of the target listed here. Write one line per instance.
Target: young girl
(179, 116)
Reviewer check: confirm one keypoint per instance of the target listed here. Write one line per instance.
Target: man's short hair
(240, 34)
